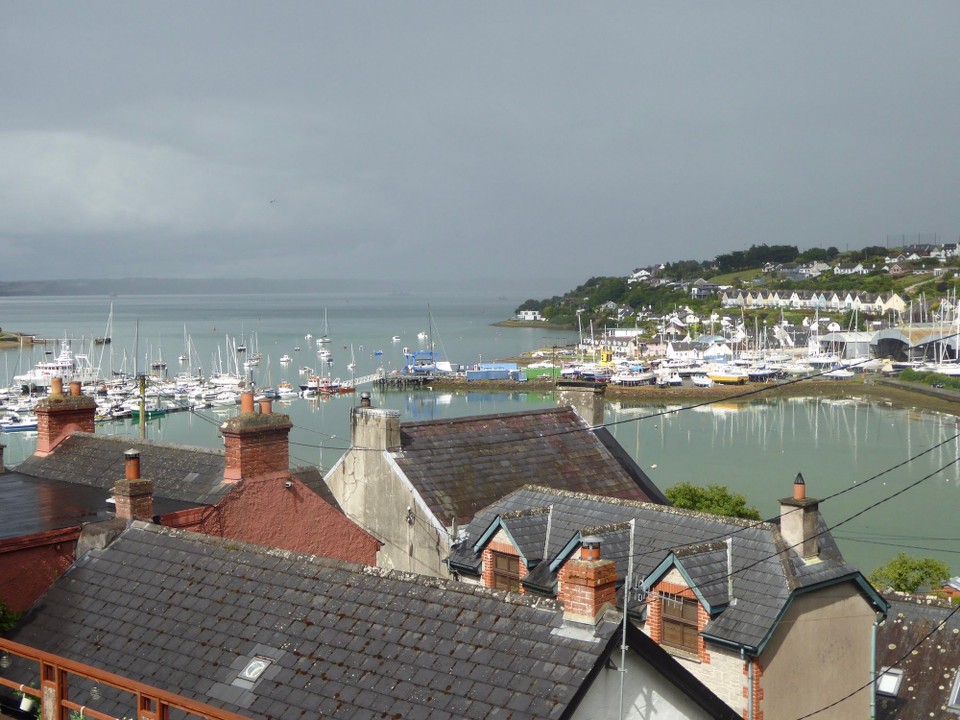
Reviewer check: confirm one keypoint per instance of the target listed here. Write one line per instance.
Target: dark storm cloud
(506, 140)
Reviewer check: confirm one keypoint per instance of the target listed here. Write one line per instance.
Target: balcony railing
(51, 688)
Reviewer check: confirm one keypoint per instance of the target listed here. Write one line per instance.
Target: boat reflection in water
(838, 444)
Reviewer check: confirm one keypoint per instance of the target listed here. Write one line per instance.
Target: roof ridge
(475, 418)
(742, 522)
(520, 599)
(124, 440)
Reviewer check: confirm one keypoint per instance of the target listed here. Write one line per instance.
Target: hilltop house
(228, 630)
(414, 485)
(760, 612)
(55, 500)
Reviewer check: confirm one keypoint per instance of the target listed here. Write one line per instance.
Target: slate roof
(766, 573)
(30, 507)
(185, 613)
(930, 664)
(458, 465)
(189, 475)
(312, 478)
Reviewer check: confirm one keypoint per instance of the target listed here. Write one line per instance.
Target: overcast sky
(413, 140)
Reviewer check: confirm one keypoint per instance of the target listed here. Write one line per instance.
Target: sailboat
(352, 365)
(325, 337)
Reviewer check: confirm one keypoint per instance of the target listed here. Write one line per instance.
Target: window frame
(511, 579)
(894, 675)
(683, 625)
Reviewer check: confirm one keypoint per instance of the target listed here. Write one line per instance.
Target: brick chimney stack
(133, 495)
(588, 584)
(255, 444)
(59, 415)
(800, 520)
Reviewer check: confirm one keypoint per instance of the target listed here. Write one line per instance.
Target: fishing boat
(286, 359)
(701, 380)
(285, 389)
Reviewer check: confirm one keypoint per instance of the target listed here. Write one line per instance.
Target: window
(506, 572)
(679, 617)
(954, 703)
(888, 683)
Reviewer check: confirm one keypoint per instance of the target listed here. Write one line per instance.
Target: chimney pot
(590, 548)
(246, 402)
(56, 386)
(132, 464)
(799, 488)
(266, 407)
(75, 390)
(364, 399)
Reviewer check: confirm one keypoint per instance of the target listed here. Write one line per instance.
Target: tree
(905, 573)
(716, 499)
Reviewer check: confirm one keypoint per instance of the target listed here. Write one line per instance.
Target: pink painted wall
(264, 512)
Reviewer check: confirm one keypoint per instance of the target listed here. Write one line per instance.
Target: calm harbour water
(756, 449)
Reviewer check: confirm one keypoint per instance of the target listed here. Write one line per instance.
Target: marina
(753, 446)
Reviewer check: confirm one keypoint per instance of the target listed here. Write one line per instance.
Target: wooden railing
(52, 676)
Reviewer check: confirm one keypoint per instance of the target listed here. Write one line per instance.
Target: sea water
(855, 455)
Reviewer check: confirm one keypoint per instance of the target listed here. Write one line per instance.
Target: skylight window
(889, 681)
(954, 703)
(255, 668)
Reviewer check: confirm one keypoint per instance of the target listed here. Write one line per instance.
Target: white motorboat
(15, 422)
(630, 378)
(285, 359)
(701, 380)
(66, 365)
(728, 375)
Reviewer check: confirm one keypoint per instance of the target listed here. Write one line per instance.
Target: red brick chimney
(800, 520)
(588, 584)
(133, 495)
(59, 415)
(255, 444)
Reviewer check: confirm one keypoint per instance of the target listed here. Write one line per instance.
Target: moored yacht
(66, 365)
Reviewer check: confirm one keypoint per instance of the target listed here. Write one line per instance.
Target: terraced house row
(828, 300)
